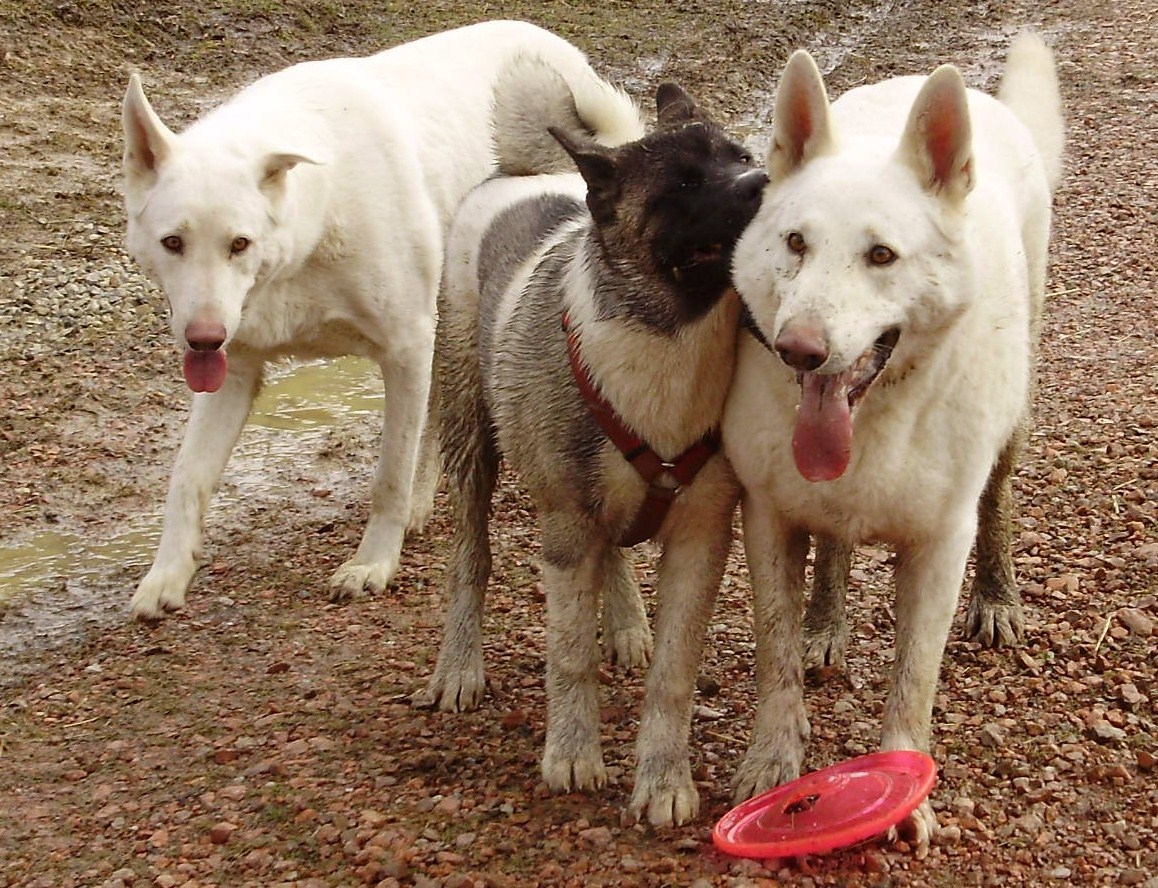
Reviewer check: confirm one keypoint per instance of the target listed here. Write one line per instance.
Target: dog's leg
(826, 620)
(928, 582)
(429, 471)
(626, 635)
(776, 554)
(459, 679)
(215, 421)
(472, 464)
(407, 379)
(995, 616)
(574, 555)
(695, 553)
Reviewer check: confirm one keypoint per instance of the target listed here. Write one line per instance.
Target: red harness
(665, 480)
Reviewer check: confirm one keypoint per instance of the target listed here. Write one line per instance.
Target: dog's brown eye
(796, 243)
(173, 244)
(239, 245)
(879, 254)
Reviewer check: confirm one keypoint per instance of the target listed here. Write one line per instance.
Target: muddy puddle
(57, 584)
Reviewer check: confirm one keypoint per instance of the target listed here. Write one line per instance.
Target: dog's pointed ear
(274, 166)
(938, 141)
(148, 142)
(596, 164)
(674, 107)
(801, 129)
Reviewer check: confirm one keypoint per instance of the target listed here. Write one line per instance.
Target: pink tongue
(205, 370)
(822, 442)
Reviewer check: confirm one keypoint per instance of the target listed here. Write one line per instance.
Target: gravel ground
(262, 738)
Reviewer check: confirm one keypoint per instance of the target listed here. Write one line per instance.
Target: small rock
(596, 837)
(1130, 694)
(993, 736)
(221, 832)
(1107, 733)
(1136, 621)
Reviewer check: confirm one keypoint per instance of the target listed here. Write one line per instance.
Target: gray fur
(512, 238)
(659, 344)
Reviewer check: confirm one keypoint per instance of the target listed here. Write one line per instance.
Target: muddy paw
(354, 579)
(564, 772)
(994, 624)
(918, 829)
(452, 690)
(668, 800)
(825, 646)
(629, 648)
(159, 593)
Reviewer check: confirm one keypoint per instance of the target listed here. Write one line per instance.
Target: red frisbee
(836, 806)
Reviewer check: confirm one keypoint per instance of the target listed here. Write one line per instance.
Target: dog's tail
(531, 95)
(1030, 89)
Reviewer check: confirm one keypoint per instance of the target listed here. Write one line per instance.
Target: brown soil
(263, 738)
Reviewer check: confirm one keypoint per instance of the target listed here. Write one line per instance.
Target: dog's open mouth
(822, 439)
(701, 255)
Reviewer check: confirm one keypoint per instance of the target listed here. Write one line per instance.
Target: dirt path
(262, 738)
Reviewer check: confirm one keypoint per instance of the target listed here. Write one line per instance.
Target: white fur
(343, 175)
(969, 218)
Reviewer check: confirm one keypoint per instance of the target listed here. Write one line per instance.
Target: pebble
(1136, 621)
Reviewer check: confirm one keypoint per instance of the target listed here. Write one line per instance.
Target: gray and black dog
(587, 334)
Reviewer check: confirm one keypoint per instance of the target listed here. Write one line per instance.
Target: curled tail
(531, 95)
(1030, 89)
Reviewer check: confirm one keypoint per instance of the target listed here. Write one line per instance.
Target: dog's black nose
(750, 186)
(205, 335)
(802, 347)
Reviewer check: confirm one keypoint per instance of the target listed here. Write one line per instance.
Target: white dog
(306, 217)
(892, 274)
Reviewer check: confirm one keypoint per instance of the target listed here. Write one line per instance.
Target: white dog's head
(203, 222)
(854, 251)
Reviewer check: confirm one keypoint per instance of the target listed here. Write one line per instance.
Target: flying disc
(831, 808)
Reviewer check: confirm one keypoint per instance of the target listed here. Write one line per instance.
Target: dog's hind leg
(459, 678)
(429, 470)
(574, 554)
(471, 460)
(995, 616)
(825, 620)
(406, 374)
(626, 635)
(215, 422)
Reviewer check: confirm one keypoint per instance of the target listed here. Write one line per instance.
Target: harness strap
(665, 480)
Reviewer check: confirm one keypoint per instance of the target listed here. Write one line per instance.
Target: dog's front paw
(355, 578)
(452, 690)
(994, 623)
(161, 591)
(669, 798)
(774, 756)
(630, 648)
(566, 771)
(918, 829)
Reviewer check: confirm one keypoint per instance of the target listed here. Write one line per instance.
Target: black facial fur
(668, 210)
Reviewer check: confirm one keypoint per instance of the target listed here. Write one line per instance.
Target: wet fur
(959, 185)
(342, 176)
(657, 325)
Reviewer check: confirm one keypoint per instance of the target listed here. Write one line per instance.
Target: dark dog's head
(669, 207)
